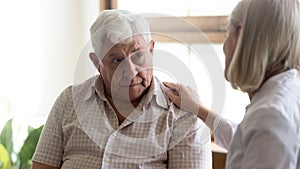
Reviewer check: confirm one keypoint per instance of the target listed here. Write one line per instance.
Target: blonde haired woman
(262, 51)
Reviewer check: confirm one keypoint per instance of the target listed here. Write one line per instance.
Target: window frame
(213, 27)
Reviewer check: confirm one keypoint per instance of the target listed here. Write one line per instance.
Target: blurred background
(44, 45)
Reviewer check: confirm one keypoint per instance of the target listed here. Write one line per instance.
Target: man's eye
(117, 60)
(138, 58)
(139, 55)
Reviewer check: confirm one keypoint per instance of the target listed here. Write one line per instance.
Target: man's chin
(130, 93)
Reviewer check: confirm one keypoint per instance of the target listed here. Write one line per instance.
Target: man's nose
(129, 69)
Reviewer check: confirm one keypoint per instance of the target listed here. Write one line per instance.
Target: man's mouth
(134, 84)
(131, 84)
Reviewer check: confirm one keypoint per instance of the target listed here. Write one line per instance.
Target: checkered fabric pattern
(83, 131)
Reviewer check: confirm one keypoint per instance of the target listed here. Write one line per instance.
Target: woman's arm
(186, 99)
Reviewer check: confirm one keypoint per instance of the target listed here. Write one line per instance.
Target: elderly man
(122, 117)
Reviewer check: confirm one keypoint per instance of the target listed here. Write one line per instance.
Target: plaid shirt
(83, 131)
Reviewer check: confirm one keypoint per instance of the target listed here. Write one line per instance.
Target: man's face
(127, 69)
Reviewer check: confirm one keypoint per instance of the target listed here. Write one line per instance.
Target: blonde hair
(117, 26)
(268, 43)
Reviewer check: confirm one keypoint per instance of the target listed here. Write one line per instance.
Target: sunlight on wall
(40, 44)
(20, 62)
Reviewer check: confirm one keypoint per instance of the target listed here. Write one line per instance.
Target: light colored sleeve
(190, 145)
(50, 146)
(224, 130)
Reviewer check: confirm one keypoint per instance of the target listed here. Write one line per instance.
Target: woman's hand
(186, 99)
(183, 97)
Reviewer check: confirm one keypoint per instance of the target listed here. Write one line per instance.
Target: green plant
(25, 154)
(4, 158)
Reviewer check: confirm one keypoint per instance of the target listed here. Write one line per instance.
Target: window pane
(169, 7)
(179, 7)
(166, 68)
(211, 7)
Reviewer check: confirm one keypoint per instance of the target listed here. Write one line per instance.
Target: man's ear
(95, 60)
(152, 44)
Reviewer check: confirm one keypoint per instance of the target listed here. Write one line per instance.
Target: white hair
(117, 26)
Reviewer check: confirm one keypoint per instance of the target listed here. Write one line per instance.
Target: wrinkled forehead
(136, 42)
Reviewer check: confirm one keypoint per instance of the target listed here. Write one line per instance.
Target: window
(179, 7)
(192, 32)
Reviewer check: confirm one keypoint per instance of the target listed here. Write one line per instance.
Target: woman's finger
(173, 96)
(171, 93)
(173, 87)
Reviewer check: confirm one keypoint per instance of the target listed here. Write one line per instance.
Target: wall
(40, 44)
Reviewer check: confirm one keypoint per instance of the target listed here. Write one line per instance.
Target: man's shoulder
(87, 83)
(184, 115)
(68, 92)
(162, 97)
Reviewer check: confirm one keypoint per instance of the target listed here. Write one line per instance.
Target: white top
(269, 135)
(224, 130)
(82, 131)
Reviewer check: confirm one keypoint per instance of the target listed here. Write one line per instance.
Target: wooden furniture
(218, 156)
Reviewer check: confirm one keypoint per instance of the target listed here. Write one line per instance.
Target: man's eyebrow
(136, 49)
(112, 54)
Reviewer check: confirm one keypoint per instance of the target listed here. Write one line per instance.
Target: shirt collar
(156, 92)
(160, 96)
(96, 86)
(277, 81)
(286, 76)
